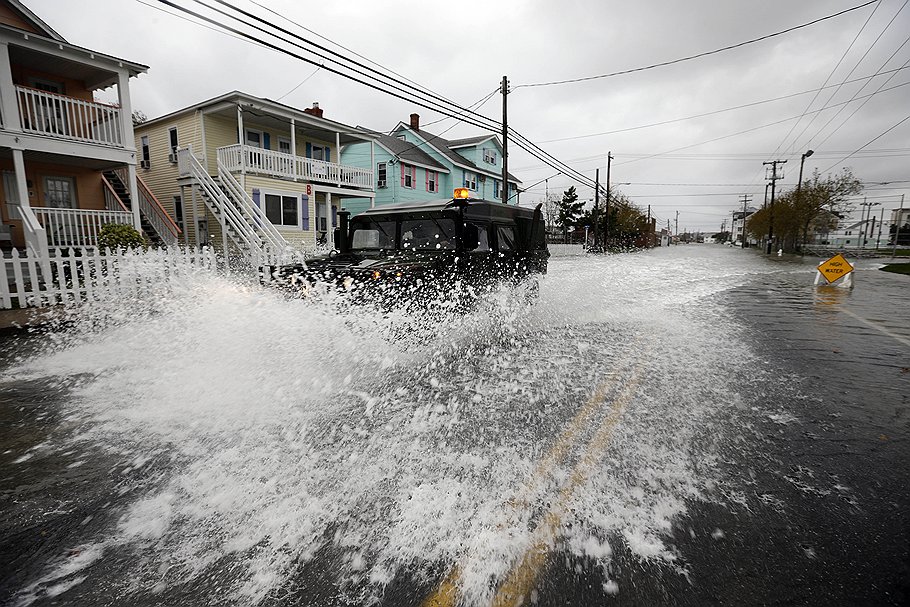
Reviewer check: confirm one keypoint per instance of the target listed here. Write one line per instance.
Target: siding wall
(161, 177)
(221, 131)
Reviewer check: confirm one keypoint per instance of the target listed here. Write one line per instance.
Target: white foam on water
(394, 443)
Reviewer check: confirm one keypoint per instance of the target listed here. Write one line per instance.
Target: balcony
(62, 117)
(236, 158)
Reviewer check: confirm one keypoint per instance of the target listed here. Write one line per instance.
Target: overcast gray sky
(462, 50)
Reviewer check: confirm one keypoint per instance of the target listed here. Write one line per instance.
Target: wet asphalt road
(810, 504)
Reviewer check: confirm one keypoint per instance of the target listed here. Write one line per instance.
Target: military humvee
(441, 249)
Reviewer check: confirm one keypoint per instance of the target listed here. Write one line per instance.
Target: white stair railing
(238, 227)
(275, 243)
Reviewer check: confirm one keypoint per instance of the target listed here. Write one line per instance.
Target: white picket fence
(71, 276)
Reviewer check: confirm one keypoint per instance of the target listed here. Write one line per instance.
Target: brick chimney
(415, 122)
(314, 111)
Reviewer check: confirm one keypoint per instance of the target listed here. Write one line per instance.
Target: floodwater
(220, 444)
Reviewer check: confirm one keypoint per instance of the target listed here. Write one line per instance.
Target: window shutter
(413, 177)
(402, 175)
(266, 141)
(427, 171)
(328, 154)
(305, 211)
(256, 197)
(309, 150)
(334, 216)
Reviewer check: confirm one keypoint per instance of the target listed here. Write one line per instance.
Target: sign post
(835, 269)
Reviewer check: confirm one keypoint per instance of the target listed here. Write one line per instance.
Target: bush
(117, 236)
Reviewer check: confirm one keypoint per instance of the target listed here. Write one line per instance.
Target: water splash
(264, 434)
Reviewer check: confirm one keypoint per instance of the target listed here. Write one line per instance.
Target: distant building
(737, 230)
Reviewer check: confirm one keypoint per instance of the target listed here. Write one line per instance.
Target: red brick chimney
(415, 122)
(314, 111)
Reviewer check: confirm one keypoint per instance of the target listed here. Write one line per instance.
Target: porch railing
(77, 227)
(65, 117)
(152, 210)
(288, 166)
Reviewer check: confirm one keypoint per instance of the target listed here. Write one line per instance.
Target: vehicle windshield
(369, 234)
(418, 233)
(428, 234)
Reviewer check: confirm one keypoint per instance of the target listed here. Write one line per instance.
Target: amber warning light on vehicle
(462, 193)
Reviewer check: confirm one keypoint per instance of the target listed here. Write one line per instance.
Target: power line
(450, 109)
(713, 112)
(876, 138)
(868, 50)
(754, 128)
(691, 57)
(830, 75)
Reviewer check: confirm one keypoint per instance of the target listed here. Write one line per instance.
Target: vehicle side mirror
(469, 237)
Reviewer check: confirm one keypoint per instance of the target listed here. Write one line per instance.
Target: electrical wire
(488, 124)
(874, 139)
(699, 55)
(833, 94)
(711, 113)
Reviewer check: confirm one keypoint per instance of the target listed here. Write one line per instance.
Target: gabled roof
(470, 141)
(408, 152)
(33, 19)
(444, 147)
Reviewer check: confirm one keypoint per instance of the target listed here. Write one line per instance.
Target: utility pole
(897, 228)
(774, 178)
(596, 203)
(881, 220)
(505, 140)
(676, 228)
(607, 203)
(746, 199)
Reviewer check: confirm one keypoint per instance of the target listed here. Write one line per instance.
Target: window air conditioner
(145, 164)
(172, 157)
(381, 183)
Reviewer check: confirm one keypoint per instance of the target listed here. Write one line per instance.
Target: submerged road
(686, 426)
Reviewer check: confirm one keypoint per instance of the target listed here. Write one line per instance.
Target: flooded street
(688, 425)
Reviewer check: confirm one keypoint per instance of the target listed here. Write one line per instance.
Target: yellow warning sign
(835, 268)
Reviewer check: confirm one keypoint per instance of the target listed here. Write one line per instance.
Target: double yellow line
(523, 576)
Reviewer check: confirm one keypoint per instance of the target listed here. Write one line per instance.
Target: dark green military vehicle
(430, 251)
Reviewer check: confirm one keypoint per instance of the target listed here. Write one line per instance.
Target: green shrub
(117, 236)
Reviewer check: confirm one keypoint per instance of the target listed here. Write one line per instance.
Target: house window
(432, 181)
(146, 154)
(284, 145)
(408, 175)
(60, 192)
(178, 212)
(319, 153)
(282, 210)
(172, 135)
(254, 138)
(381, 175)
(470, 180)
(497, 190)
(489, 156)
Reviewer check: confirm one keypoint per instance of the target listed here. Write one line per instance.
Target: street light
(799, 185)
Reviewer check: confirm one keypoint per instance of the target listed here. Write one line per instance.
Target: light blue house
(411, 164)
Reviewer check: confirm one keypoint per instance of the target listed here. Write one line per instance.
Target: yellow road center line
(446, 594)
(523, 578)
